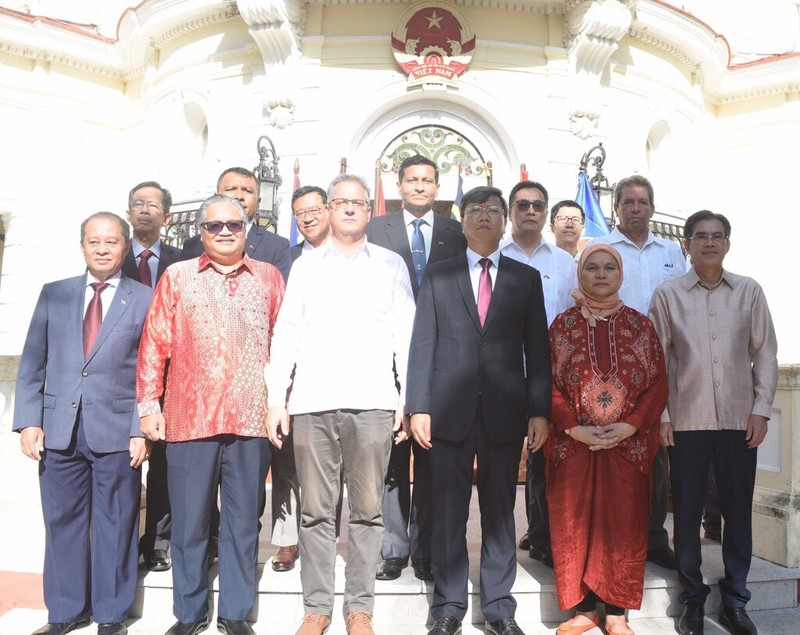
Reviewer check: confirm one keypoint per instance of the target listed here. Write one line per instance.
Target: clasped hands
(603, 437)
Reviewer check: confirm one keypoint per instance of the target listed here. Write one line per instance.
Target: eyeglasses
(563, 220)
(151, 205)
(215, 226)
(716, 237)
(523, 205)
(311, 212)
(477, 210)
(344, 203)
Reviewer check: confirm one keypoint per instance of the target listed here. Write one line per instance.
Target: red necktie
(144, 268)
(93, 318)
(484, 289)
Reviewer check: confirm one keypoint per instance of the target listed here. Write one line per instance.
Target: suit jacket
(390, 232)
(297, 250)
(455, 364)
(54, 380)
(169, 255)
(261, 245)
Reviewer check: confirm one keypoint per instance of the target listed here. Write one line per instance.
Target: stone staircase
(401, 606)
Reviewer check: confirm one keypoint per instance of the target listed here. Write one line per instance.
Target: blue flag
(595, 224)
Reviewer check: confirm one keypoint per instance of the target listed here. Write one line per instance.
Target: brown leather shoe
(314, 624)
(285, 558)
(359, 623)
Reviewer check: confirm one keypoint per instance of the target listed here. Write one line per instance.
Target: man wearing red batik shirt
(213, 317)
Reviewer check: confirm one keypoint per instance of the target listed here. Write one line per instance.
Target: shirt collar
(204, 262)
(694, 280)
(138, 248)
(509, 243)
(113, 281)
(409, 218)
(473, 258)
(329, 249)
(617, 236)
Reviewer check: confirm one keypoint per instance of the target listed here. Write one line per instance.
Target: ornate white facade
(177, 90)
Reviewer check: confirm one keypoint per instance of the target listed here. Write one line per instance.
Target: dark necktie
(144, 268)
(484, 289)
(418, 249)
(93, 318)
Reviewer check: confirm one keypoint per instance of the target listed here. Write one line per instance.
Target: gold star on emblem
(434, 20)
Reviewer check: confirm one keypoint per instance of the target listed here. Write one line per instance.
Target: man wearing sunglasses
(212, 317)
(528, 201)
(261, 244)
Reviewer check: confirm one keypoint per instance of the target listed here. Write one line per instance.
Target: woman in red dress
(609, 389)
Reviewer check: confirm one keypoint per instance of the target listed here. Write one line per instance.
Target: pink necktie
(144, 268)
(484, 290)
(93, 318)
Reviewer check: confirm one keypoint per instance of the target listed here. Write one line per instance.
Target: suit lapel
(77, 299)
(440, 236)
(254, 238)
(398, 239)
(117, 309)
(464, 283)
(129, 265)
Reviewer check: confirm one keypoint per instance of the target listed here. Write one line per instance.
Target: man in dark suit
(420, 237)
(145, 262)
(76, 411)
(262, 244)
(478, 381)
(311, 214)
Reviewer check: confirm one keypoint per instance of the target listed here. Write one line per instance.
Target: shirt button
(715, 360)
(711, 313)
(85, 374)
(714, 336)
(74, 405)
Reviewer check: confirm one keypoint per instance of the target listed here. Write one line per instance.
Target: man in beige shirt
(721, 353)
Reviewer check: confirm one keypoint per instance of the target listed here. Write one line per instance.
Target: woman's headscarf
(594, 308)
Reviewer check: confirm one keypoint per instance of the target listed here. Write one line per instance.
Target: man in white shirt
(343, 330)
(566, 222)
(648, 261)
(528, 202)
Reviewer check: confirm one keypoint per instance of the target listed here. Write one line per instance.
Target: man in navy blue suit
(145, 262)
(76, 412)
(421, 237)
(262, 244)
(478, 382)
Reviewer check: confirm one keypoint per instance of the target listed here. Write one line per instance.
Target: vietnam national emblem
(433, 44)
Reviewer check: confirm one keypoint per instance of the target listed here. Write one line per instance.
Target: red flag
(293, 230)
(379, 203)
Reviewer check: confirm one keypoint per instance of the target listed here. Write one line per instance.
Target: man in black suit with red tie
(478, 381)
(420, 237)
(146, 260)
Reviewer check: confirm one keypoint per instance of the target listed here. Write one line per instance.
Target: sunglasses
(215, 226)
(523, 205)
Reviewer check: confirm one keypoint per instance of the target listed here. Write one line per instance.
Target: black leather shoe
(112, 628)
(445, 626)
(524, 543)
(422, 569)
(736, 621)
(234, 627)
(503, 626)
(59, 628)
(158, 560)
(542, 554)
(189, 628)
(663, 557)
(691, 621)
(391, 568)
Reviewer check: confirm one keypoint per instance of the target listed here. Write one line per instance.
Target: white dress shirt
(426, 228)
(646, 268)
(557, 269)
(106, 295)
(152, 262)
(344, 326)
(475, 268)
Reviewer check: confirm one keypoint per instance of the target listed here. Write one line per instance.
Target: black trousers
(735, 466)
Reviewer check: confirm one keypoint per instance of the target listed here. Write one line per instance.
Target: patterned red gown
(600, 501)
